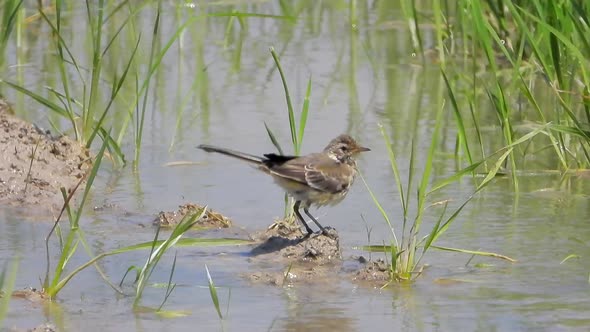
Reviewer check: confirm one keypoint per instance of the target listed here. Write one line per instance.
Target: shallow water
(360, 79)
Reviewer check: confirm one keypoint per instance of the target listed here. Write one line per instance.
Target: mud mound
(31, 294)
(295, 257)
(210, 219)
(47, 327)
(375, 272)
(285, 242)
(34, 165)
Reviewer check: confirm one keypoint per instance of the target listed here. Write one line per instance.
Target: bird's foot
(306, 236)
(325, 231)
(330, 232)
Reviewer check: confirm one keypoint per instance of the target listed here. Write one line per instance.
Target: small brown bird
(315, 179)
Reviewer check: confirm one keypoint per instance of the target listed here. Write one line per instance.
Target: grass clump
(527, 64)
(408, 246)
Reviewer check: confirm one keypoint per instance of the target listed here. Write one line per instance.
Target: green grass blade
(380, 208)
(375, 248)
(172, 313)
(187, 242)
(434, 231)
(129, 270)
(144, 246)
(159, 249)
(9, 19)
(38, 98)
(213, 292)
(422, 188)
(456, 176)
(90, 181)
(395, 170)
(291, 113)
(95, 21)
(119, 83)
(7, 282)
(169, 286)
(273, 139)
(492, 173)
(477, 253)
(140, 116)
(567, 258)
(303, 116)
(458, 118)
(112, 145)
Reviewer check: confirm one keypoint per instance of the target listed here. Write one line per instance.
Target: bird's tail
(236, 154)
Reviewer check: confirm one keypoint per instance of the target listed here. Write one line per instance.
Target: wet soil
(34, 165)
(375, 272)
(41, 328)
(31, 294)
(284, 241)
(293, 257)
(286, 255)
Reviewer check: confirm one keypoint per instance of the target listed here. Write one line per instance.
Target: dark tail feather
(240, 155)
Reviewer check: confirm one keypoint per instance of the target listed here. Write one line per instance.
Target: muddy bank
(34, 165)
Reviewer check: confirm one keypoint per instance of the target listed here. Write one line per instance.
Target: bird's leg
(314, 220)
(296, 209)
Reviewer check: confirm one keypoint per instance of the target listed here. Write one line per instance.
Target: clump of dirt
(31, 294)
(377, 271)
(37, 297)
(300, 258)
(285, 242)
(210, 219)
(34, 165)
(46, 327)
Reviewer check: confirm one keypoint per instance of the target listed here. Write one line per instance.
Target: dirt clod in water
(373, 271)
(210, 219)
(285, 241)
(313, 258)
(31, 294)
(56, 162)
(46, 327)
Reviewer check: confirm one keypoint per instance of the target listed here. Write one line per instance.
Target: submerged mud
(34, 165)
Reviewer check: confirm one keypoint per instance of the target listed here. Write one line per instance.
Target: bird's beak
(363, 149)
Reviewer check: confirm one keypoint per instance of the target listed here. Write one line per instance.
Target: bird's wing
(317, 171)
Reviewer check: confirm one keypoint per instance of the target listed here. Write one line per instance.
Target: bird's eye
(344, 148)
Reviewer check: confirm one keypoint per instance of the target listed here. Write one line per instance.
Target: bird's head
(344, 147)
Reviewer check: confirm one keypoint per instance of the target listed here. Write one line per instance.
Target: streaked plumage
(315, 179)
